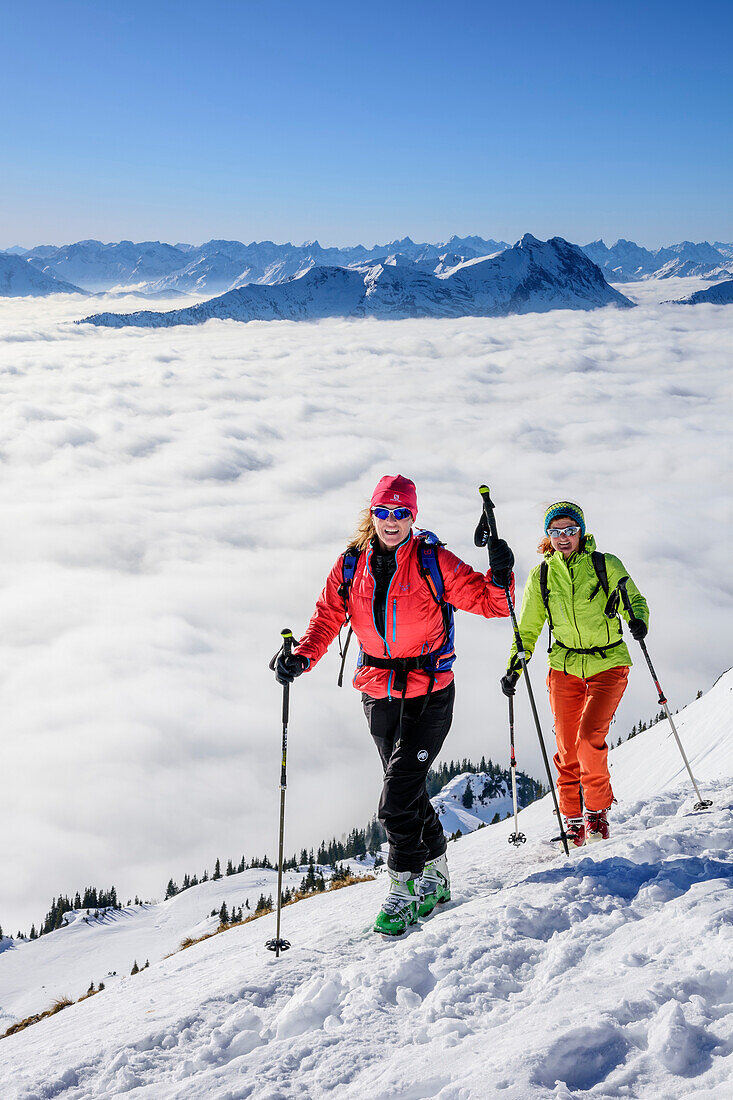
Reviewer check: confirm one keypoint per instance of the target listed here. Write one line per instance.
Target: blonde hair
(365, 530)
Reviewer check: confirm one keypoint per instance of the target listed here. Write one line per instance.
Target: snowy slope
(88, 949)
(454, 815)
(534, 276)
(64, 962)
(721, 294)
(607, 974)
(20, 279)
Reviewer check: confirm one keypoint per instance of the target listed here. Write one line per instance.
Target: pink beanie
(395, 492)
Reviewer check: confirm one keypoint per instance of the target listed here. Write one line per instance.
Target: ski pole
(702, 803)
(481, 538)
(277, 945)
(516, 837)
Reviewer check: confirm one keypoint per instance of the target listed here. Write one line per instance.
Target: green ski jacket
(577, 604)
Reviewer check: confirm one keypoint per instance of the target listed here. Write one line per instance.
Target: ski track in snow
(606, 974)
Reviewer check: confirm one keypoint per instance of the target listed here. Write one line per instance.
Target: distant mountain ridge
(626, 261)
(19, 279)
(719, 295)
(533, 276)
(221, 265)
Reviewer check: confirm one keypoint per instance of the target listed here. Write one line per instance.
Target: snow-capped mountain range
(216, 266)
(532, 277)
(626, 261)
(605, 974)
(220, 265)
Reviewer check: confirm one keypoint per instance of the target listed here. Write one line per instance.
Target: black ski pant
(413, 828)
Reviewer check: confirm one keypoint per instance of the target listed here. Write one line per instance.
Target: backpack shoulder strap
(545, 594)
(349, 560)
(599, 564)
(544, 590)
(427, 557)
(348, 568)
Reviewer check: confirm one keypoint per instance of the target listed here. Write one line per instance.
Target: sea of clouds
(170, 499)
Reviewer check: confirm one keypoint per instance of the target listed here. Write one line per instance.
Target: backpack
(599, 564)
(427, 555)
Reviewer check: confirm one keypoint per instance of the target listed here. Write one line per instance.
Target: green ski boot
(434, 885)
(399, 909)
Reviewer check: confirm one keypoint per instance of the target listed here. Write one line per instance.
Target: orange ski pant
(583, 709)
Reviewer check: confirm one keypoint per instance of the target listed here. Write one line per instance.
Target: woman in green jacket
(589, 661)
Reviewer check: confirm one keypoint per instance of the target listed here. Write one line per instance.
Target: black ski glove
(287, 668)
(509, 683)
(638, 629)
(501, 560)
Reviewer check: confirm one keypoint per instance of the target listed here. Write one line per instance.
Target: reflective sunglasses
(397, 513)
(556, 532)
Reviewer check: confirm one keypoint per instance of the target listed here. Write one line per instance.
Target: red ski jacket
(414, 621)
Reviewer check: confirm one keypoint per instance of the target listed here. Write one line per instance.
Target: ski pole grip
(287, 637)
(489, 510)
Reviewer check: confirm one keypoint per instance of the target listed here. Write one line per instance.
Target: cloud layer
(171, 499)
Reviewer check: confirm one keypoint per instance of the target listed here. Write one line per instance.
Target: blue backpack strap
(428, 547)
(348, 569)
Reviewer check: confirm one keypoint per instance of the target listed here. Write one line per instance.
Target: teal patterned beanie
(565, 508)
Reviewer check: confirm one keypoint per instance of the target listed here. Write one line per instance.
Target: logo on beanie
(396, 496)
(422, 755)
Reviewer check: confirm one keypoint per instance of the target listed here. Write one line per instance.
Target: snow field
(606, 974)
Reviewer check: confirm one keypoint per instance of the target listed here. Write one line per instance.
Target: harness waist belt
(595, 651)
(396, 664)
(401, 666)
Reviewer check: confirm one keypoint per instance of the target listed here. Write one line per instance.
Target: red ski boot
(596, 826)
(575, 831)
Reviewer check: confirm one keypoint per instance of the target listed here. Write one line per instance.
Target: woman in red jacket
(388, 585)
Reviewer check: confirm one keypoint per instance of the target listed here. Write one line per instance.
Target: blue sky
(360, 122)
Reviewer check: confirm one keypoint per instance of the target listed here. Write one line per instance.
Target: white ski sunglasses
(556, 532)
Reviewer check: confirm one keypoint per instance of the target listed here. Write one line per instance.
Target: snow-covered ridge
(532, 277)
(721, 295)
(606, 974)
(20, 279)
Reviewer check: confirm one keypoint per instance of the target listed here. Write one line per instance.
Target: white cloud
(171, 499)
